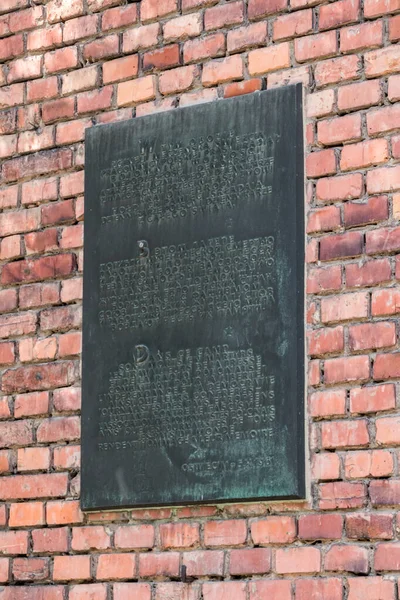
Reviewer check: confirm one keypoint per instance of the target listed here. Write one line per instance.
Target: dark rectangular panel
(193, 333)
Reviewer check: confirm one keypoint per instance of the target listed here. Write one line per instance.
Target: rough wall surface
(69, 64)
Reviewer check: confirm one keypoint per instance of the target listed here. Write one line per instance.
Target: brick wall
(69, 64)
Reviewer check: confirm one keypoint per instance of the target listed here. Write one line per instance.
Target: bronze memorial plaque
(193, 333)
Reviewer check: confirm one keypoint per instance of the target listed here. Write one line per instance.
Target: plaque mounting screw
(144, 249)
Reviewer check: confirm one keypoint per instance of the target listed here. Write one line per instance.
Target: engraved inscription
(208, 175)
(216, 277)
(195, 397)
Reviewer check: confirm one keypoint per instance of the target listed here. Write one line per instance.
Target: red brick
(387, 432)
(33, 486)
(69, 568)
(224, 591)
(251, 561)
(8, 301)
(61, 60)
(141, 37)
(50, 540)
(134, 537)
(26, 514)
(38, 377)
(320, 527)
(385, 492)
(9, 197)
(141, 90)
(95, 100)
(340, 129)
(159, 564)
(369, 526)
(387, 557)
(372, 399)
(319, 589)
(13, 542)
(72, 184)
(81, 79)
(375, 8)
(324, 279)
(273, 58)
(338, 13)
(30, 569)
(39, 294)
(344, 187)
(67, 399)
(46, 267)
(11, 47)
(90, 538)
(264, 589)
(370, 588)
(227, 69)
(320, 164)
(223, 16)
(359, 95)
(340, 494)
(127, 591)
(45, 38)
(198, 97)
(162, 58)
(116, 566)
(337, 70)
(59, 429)
(242, 87)
(11, 95)
(77, 29)
(289, 26)
(394, 90)
(343, 245)
(258, 9)
(376, 463)
(118, 17)
(386, 366)
(21, 324)
(41, 190)
(325, 466)
(383, 61)
(325, 341)
(100, 49)
(57, 213)
(7, 353)
(298, 560)
(344, 434)
(369, 273)
(15, 433)
(182, 27)
(121, 68)
(208, 47)
(153, 9)
(41, 241)
(327, 403)
(66, 457)
(321, 104)
(33, 459)
(374, 210)
(40, 163)
(320, 45)
(204, 563)
(273, 530)
(60, 10)
(383, 120)
(91, 591)
(61, 318)
(246, 37)
(42, 89)
(352, 368)
(36, 403)
(60, 512)
(372, 336)
(19, 222)
(385, 302)
(179, 535)
(382, 240)
(360, 36)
